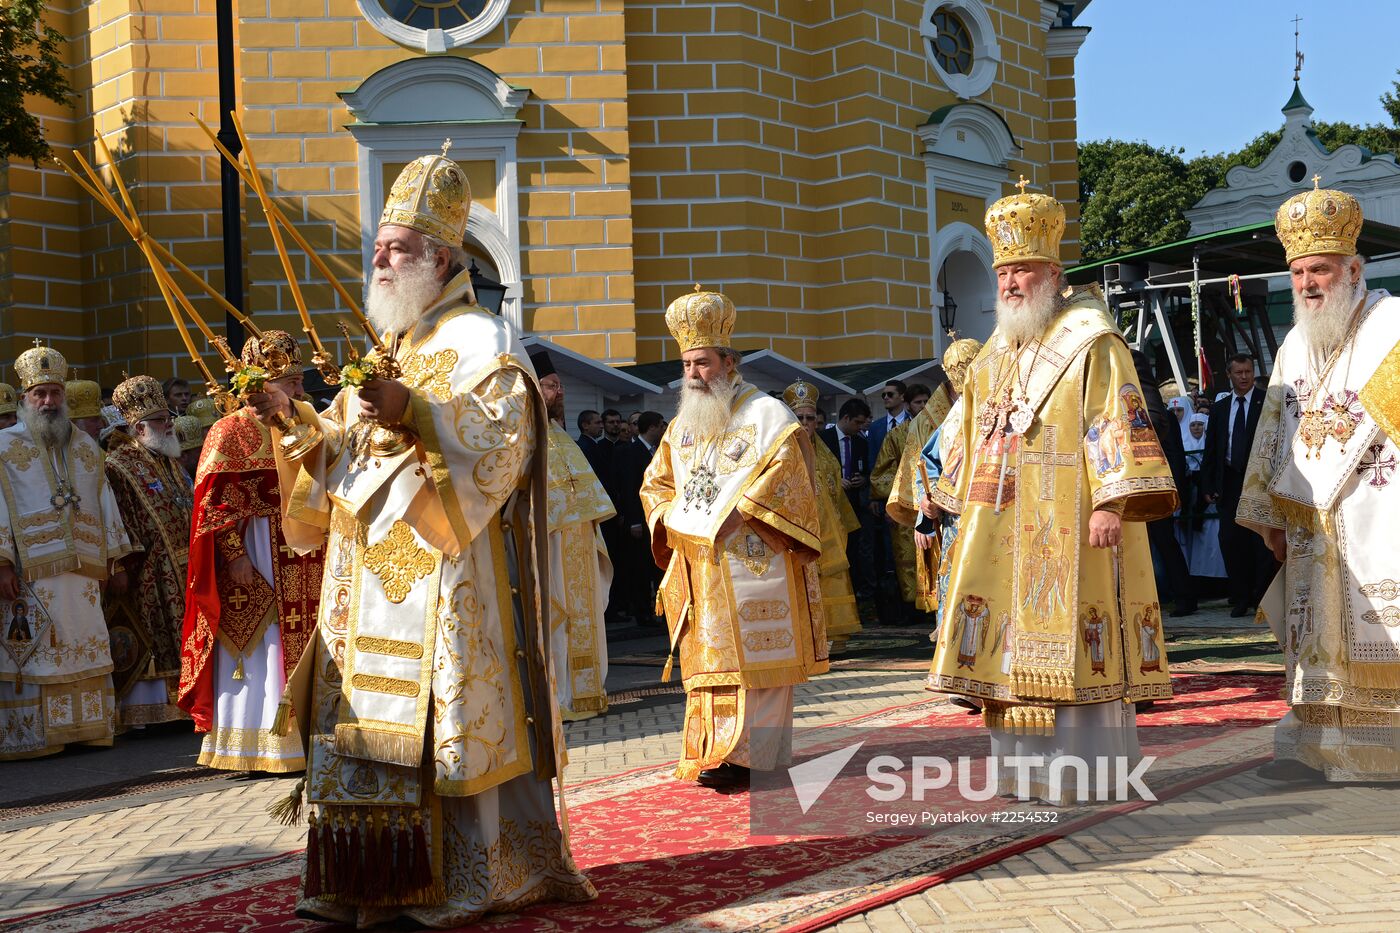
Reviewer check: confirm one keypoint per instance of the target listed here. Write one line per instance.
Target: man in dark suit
(1248, 561)
(1161, 534)
(640, 574)
(852, 451)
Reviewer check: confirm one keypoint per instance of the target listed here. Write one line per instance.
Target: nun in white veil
(1200, 545)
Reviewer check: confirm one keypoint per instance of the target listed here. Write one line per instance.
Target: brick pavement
(1325, 868)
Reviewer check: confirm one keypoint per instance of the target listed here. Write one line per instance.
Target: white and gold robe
(1335, 604)
(1032, 609)
(580, 573)
(434, 729)
(745, 611)
(55, 651)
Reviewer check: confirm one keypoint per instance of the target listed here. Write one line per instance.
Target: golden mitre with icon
(431, 195)
(275, 351)
(40, 365)
(958, 357)
(1320, 222)
(801, 395)
(84, 398)
(9, 399)
(1025, 227)
(138, 398)
(701, 319)
(203, 409)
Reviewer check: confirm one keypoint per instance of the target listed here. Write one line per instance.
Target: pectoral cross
(1049, 457)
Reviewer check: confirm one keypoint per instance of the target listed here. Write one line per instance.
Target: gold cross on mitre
(446, 145)
(1022, 184)
(38, 342)
(698, 288)
(1317, 182)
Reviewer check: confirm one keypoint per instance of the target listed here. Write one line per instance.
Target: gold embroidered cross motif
(20, 454)
(1049, 457)
(431, 372)
(398, 562)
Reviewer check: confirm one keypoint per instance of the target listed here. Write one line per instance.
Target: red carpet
(664, 854)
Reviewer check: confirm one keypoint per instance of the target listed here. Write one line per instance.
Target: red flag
(1207, 379)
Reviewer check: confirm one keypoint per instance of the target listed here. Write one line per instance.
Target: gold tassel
(282, 721)
(666, 671)
(287, 811)
(238, 669)
(151, 668)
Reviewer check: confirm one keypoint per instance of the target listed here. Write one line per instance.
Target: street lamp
(948, 313)
(489, 293)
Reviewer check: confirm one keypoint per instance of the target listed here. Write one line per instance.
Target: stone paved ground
(1321, 865)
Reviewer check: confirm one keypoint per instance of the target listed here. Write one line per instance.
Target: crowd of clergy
(404, 593)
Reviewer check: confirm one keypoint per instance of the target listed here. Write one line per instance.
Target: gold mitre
(275, 351)
(40, 365)
(701, 319)
(1320, 222)
(431, 196)
(84, 398)
(9, 399)
(801, 395)
(138, 398)
(203, 409)
(958, 357)
(1025, 227)
(189, 432)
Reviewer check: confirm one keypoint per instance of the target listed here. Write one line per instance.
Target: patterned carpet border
(717, 877)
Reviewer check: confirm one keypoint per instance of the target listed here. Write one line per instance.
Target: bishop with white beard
(1058, 472)
(731, 503)
(1321, 488)
(61, 544)
(156, 498)
(427, 693)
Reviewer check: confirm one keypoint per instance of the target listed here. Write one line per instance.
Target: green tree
(29, 65)
(1390, 101)
(1133, 195)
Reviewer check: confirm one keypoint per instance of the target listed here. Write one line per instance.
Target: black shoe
(1290, 771)
(1142, 706)
(725, 777)
(971, 707)
(1239, 612)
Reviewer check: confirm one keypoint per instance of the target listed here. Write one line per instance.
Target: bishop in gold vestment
(730, 501)
(61, 542)
(838, 519)
(1321, 488)
(1052, 616)
(580, 568)
(892, 482)
(433, 726)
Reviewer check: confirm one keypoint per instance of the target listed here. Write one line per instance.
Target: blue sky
(1210, 76)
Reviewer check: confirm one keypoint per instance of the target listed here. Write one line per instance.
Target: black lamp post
(489, 293)
(230, 189)
(948, 314)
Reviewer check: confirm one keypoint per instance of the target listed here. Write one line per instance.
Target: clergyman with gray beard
(65, 544)
(1319, 488)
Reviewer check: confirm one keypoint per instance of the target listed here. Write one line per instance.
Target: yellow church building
(826, 163)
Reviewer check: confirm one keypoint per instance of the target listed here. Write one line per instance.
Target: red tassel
(353, 853)
(329, 883)
(385, 867)
(422, 861)
(344, 872)
(403, 852)
(313, 858)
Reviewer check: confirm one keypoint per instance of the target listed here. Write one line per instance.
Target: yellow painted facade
(772, 149)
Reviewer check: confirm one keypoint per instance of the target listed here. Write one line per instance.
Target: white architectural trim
(466, 103)
(1065, 42)
(612, 380)
(972, 163)
(434, 41)
(986, 50)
